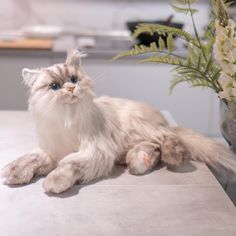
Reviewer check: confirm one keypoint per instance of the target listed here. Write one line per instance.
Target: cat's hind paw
(142, 158)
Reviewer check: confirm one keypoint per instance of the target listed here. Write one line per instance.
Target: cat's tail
(210, 152)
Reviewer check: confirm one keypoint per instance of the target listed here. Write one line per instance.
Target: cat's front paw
(20, 171)
(59, 180)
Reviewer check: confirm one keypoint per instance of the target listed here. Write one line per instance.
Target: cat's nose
(70, 89)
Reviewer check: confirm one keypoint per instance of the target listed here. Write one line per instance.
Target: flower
(225, 55)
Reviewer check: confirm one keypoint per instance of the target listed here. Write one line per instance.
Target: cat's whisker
(99, 86)
(97, 78)
(100, 76)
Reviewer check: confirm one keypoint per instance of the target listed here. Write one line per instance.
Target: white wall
(102, 14)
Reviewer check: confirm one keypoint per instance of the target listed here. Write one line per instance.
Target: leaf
(199, 62)
(208, 65)
(183, 9)
(137, 50)
(216, 75)
(184, 2)
(170, 43)
(176, 81)
(197, 77)
(193, 82)
(161, 44)
(166, 59)
(201, 84)
(163, 30)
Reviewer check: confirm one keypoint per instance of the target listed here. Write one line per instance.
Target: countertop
(188, 202)
(103, 48)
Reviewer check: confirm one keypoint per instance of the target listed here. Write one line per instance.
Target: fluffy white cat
(81, 137)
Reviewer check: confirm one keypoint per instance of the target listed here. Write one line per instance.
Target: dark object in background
(145, 38)
(233, 2)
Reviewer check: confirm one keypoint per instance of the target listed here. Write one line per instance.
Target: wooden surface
(40, 44)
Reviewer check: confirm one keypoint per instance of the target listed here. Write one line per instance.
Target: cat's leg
(169, 148)
(83, 166)
(143, 157)
(23, 169)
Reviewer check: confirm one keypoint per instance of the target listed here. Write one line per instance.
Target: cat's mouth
(73, 99)
(69, 99)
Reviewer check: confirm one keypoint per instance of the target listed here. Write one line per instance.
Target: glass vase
(228, 122)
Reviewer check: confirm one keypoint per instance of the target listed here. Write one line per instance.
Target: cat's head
(59, 84)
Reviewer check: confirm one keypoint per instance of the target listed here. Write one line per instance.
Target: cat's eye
(73, 79)
(55, 86)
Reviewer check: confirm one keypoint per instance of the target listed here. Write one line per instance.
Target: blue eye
(74, 79)
(55, 86)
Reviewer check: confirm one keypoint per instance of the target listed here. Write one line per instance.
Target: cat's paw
(141, 164)
(59, 180)
(20, 171)
(142, 158)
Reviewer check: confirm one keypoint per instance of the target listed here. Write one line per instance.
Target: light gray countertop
(189, 202)
(100, 54)
(104, 49)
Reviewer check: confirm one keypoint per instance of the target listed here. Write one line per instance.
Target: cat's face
(59, 84)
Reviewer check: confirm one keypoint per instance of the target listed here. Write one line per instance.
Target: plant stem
(172, 54)
(195, 31)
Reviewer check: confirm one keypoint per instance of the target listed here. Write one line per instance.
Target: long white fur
(81, 136)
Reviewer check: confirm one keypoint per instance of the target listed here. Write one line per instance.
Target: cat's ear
(29, 76)
(74, 58)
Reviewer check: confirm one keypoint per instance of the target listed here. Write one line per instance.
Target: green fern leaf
(190, 72)
(161, 44)
(164, 30)
(208, 65)
(153, 47)
(170, 43)
(215, 77)
(137, 50)
(166, 59)
(176, 81)
(199, 61)
(202, 84)
(184, 2)
(191, 81)
(183, 9)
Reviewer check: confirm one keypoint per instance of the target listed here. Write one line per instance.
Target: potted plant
(210, 61)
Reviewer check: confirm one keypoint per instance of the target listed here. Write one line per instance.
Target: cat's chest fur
(63, 130)
(57, 139)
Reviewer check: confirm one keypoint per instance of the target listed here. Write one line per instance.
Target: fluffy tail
(210, 152)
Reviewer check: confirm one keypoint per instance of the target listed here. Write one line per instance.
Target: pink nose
(71, 89)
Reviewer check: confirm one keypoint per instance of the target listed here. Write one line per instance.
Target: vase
(228, 122)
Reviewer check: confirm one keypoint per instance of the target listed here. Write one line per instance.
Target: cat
(81, 137)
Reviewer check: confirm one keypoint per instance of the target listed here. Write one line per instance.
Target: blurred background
(38, 33)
